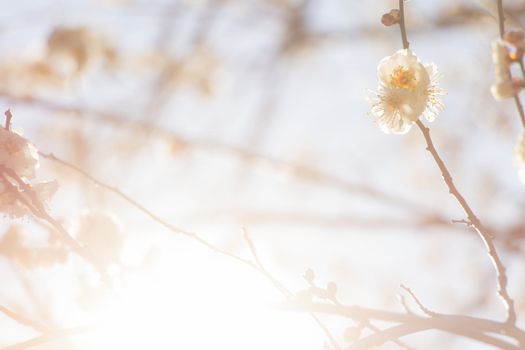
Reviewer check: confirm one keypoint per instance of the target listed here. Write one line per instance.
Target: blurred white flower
(407, 90)
(516, 38)
(18, 154)
(504, 86)
(11, 205)
(100, 232)
(505, 89)
(73, 49)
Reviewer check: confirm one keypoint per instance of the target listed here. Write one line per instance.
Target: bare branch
(485, 236)
(257, 265)
(501, 24)
(402, 24)
(422, 307)
(39, 211)
(404, 304)
(438, 321)
(23, 320)
(395, 332)
(286, 293)
(49, 337)
(8, 117)
(303, 172)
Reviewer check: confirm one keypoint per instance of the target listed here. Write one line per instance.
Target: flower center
(402, 78)
(11, 147)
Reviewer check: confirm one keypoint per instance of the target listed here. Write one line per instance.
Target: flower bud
(391, 18)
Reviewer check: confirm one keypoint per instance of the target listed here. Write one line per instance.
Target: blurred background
(219, 115)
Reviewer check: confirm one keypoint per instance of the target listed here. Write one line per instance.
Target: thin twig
(501, 23)
(303, 172)
(8, 117)
(23, 320)
(333, 298)
(256, 266)
(39, 211)
(406, 44)
(473, 220)
(522, 67)
(462, 222)
(49, 337)
(394, 340)
(517, 100)
(519, 106)
(501, 19)
(359, 314)
(422, 307)
(146, 211)
(378, 339)
(404, 304)
(285, 291)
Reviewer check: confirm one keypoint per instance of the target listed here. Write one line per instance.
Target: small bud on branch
(391, 18)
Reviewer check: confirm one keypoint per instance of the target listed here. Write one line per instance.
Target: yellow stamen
(402, 78)
(11, 147)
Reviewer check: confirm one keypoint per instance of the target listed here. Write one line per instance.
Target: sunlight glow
(185, 309)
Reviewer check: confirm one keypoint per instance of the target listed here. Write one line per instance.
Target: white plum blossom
(101, 233)
(11, 205)
(516, 38)
(407, 90)
(20, 156)
(504, 86)
(501, 60)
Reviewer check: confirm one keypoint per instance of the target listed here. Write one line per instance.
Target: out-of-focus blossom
(14, 247)
(19, 78)
(20, 156)
(100, 233)
(74, 49)
(516, 38)
(520, 156)
(504, 86)
(198, 70)
(70, 51)
(407, 90)
(11, 205)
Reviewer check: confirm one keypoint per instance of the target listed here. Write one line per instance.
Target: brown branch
(394, 340)
(49, 337)
(306, 173)
(365, 323)
(8, 117)
(256, 266)
(38, 210)
(23, 320)
(422, 307)
(501, 19)
(345, 221)
(501, 23)
(402, 24)
(287, 293)
(437, 321)
(402, 330)
(284, 291)
(473, 220)
(146, 211)
(519, 106)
